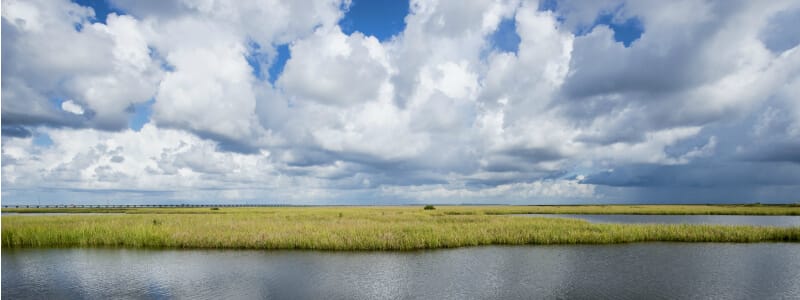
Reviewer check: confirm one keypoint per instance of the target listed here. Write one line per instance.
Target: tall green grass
(351, 228)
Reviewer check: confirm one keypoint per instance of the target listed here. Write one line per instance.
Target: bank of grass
(349, 228)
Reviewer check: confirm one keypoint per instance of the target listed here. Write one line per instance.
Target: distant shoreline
(756, 209)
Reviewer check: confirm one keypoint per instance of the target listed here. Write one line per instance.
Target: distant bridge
(143, 205)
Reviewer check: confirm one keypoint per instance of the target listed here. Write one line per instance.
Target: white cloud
(213, 97)
(436, 112)
(104, 68)
(522, 192)
(332, 68)
(72, 107)
(264, 21)
(151, 159)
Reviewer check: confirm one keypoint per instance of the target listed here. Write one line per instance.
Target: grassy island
(372, 228)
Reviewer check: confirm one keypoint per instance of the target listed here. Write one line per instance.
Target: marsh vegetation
(363, 228)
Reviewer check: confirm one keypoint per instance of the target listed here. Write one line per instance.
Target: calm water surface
(632, 271)
(784, 221)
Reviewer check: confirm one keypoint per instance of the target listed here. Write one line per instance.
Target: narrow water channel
(783, 221)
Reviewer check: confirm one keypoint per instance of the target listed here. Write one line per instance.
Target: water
(784, 221)
(631, 271)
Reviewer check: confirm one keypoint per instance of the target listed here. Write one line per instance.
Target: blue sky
(382, 19)
(101, 8)
(391, 102)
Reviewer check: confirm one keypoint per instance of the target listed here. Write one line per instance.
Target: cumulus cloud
(702, 102)
(551, 191)
(327, 59)
(151, 159)
(54, 53)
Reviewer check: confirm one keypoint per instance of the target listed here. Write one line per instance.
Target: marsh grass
(350, 228)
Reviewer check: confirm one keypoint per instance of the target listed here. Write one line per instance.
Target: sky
(398, 102)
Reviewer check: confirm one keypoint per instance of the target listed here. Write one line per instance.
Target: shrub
(429, 207)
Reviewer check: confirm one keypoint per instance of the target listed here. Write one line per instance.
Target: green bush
(429, 207)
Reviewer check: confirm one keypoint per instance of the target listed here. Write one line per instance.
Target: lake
(784, 221)
(628, 271)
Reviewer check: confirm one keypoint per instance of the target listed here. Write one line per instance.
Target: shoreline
(622, 209)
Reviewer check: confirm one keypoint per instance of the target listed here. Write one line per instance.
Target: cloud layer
(614, 101)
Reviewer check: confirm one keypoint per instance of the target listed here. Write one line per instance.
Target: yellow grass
(354, 228)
